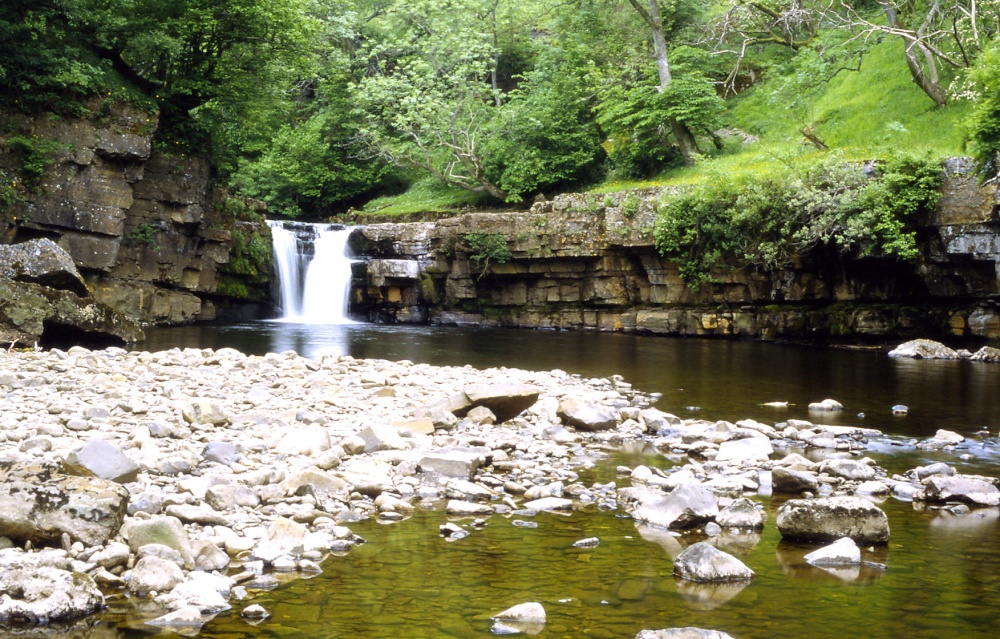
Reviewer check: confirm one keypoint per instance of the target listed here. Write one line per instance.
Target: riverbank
(215, 475)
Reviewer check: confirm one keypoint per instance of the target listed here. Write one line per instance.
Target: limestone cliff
(142, 224)
(588, 261)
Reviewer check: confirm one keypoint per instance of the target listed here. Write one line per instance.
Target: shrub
(488, 248)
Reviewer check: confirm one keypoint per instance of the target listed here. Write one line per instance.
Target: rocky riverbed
(179, 483)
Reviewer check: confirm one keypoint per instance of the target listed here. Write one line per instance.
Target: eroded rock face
(139, 225)
(828, 519)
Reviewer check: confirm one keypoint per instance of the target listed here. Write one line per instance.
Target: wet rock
(467, 508)
(830, 518)
(923, 349)
(742, 513)
(787, 481)
(852, 469)
(682, 633)
(826, 405)
(968, 489)
(942, 438)
(589, 542)
(843, 552)
(687, 506)
(525, 612)
(986, 354)
(38, 503)
(187, 618)
(255, 611)
(550, 503)
(585, 416)
(705, 563)
(746, 449)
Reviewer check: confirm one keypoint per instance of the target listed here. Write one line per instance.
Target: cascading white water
(314, 271)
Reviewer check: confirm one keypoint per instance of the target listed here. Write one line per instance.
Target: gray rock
(481, 416)
(454, 462)
(152, 574)
(161, 530)
(742, 513)
(968, 489)
(746, 449)
(843, 552)
(208, 556)
(786, 481)
(42, 262)
(937, 468)
(852, 469)
(202, 514)
(225, 497)
(923, 349)
(205, 411)
(381, 437)
(585, 416)
(687, 506)
(220, 452)
(682, 633)
(506, 401)
(160, 552)
(705, 563)
(188, 619)
(656, 420)
(46, 594)
(104, 460)
(526, 612)
(830, 518)
(38, 503)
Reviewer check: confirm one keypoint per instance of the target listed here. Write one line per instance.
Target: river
(943, 571)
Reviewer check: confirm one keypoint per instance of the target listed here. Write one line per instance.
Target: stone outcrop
(143, 226)
(43, 298)
(586, 261)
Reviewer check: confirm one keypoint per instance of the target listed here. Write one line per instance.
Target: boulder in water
(705, 563)
(923, 349)
(830, 518)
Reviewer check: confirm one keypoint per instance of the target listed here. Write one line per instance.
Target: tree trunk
(682, 134)
(928, 84)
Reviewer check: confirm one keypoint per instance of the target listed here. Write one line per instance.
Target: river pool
(942, 576)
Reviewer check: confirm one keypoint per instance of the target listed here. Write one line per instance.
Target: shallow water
(943, 571)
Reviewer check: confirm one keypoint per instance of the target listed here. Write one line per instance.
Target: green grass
(866, 115)
(428, 195)
(870, 114)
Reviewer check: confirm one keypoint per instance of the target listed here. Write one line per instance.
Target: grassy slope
(864, 115)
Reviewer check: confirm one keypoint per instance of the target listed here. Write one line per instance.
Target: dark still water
(943, 570)
(710, 379)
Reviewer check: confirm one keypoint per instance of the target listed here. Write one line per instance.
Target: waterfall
(313, 271)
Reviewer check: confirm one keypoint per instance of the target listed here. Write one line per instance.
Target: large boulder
(706, 563)
(687, 506)
(42, 262)
(585, 416)
(43, 595)
(969, 489)
(923, 349)
(507, 401)
(829, 518)
(40, 503)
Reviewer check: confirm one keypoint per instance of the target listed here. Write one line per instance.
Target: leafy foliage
(769, 221)
(34, 155)
(487, 248)
(545, 135)
(984, 123)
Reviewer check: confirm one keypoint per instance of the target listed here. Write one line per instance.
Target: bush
(766, 222)
(488, 248)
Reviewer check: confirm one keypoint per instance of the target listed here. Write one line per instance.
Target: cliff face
(588, 261)
(141, 225)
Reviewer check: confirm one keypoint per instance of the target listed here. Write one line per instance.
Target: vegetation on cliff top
(318, 105)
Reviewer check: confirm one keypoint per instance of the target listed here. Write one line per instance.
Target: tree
(427, 99)
(651, 16)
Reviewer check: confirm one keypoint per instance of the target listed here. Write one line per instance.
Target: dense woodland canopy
(315, 105)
